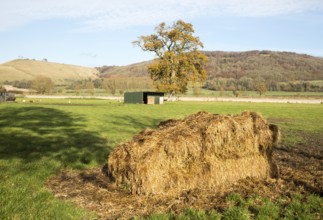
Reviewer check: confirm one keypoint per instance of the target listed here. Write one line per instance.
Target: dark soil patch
(279, 120)
(302, 164)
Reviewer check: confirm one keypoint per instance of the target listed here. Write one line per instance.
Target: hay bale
(203, 151)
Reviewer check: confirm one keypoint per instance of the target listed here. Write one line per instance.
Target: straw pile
(204, 151)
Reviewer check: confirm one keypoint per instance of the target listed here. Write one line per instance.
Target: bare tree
(42, 84)
(261, 88)
(110, 85)
(89, 87)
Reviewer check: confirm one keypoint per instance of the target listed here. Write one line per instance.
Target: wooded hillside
(281, 66)
(227, 71)
(286, 71)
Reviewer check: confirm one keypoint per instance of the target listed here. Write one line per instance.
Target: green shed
(144, 97)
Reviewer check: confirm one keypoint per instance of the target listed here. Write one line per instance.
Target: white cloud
(111, 14)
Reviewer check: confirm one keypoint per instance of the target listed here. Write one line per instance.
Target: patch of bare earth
(301, 171)
(303, 164)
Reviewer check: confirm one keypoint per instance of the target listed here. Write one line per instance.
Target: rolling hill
(132, 70)
(279, 71)
(276, 71)
(283, 66)
(25, 69)
(268, 65)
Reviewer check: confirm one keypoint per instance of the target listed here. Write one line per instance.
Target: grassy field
(268, 94)
(203, 93)
(38, 140)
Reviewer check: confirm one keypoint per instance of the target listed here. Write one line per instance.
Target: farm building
(8, 92)
(144, 97)
(7, 96)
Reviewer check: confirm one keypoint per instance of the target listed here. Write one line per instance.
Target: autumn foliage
(179, 60)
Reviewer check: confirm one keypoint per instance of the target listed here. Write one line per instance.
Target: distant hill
(25, 69)
(286, 66)
(286, 71)
(268, 65)
(133, 70)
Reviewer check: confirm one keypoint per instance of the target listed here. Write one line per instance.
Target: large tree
(179, 60)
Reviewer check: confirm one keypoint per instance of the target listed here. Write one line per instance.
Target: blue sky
(100, 32)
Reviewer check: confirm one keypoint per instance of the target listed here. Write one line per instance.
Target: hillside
(133, 70)
(278, 71)
(25, 69)
(282, 66)
(286, 66)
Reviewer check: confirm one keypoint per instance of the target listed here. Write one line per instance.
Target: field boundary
(256, 100)
(194, 99)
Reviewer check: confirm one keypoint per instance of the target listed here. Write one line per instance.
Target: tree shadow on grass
(130, 123)
(31, 133)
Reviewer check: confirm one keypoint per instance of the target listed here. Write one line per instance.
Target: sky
(99, 32)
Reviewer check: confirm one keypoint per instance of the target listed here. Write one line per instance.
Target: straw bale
(203, 150)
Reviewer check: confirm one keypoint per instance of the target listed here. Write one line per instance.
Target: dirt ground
(301, 171)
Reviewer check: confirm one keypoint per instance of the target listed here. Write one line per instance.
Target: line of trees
(113, 85)
(39, 84)
(119, 85)
(250, 84)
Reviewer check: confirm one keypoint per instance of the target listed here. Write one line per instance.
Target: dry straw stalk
(203, 150)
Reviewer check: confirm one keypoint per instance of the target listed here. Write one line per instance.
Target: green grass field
(205, 93)
(38, 140)
(268, 94)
